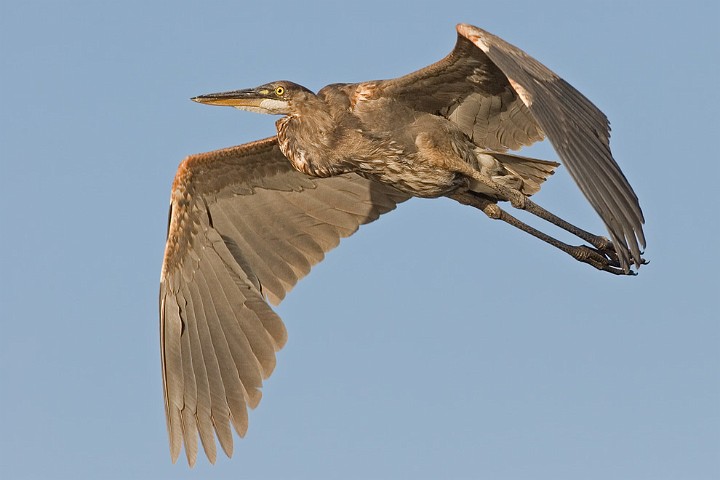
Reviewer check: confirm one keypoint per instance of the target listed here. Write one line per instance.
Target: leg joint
(493, 211)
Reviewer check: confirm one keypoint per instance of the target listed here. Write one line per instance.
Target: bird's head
(277, 98)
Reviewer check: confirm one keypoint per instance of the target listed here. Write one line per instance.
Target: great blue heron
(247, 222)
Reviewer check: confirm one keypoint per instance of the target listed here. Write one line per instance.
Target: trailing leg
(601, 258)
(520, 201)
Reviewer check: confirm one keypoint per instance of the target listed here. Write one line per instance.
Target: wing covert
(469, 90)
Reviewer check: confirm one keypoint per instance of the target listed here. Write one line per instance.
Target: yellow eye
(279, 91)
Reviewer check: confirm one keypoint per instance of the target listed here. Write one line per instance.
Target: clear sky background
(434, 343)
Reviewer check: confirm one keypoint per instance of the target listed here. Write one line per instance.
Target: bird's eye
(279, 91)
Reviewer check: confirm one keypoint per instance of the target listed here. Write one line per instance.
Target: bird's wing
(244, 226)
(503, 98)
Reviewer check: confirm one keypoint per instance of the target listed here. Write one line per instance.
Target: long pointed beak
(237, 98)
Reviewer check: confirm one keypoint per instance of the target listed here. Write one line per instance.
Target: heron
(247, 222)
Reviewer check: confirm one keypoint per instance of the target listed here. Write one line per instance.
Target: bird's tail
(532, 171)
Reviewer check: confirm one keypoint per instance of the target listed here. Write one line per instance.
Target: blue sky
(432, 344)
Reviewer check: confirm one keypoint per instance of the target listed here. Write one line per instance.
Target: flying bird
(247, 222)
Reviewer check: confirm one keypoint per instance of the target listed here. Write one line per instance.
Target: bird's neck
(307, 137)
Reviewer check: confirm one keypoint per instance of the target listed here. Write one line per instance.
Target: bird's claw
(605, 248)
(604, 259)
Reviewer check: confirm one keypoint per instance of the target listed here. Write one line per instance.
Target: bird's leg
(600, 258)
(601, 243)
(520, 201)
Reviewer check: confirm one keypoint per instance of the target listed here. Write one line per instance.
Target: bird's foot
(605, 247)
(603, 259)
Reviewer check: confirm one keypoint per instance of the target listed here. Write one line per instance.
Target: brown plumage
(247, 222)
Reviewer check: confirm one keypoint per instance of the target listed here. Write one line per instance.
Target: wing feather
(172, 363)
(202, 387)
(268, 256)
(189, 421)
(244, 226)
(220, 287)
(211, 348)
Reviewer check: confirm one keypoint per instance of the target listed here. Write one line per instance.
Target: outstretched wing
(244, 226)
(502, 98)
